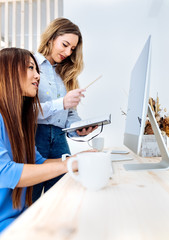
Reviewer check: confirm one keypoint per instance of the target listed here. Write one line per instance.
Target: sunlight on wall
(114, 33)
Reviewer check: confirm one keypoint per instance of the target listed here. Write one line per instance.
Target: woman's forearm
(36, 173)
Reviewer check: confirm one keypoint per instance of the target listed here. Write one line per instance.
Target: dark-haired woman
(21, 166)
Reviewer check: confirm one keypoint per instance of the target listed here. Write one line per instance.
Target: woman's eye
(64, 45)
(31, 67)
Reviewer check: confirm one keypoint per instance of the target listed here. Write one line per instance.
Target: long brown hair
(19, 113)
(71, 67)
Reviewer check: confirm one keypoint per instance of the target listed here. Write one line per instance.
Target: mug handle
(69, 167)
(89, 144)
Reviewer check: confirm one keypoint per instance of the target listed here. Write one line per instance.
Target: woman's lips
(35, 84)
(62, 57)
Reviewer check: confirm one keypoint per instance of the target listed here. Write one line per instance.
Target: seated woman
(21, 166)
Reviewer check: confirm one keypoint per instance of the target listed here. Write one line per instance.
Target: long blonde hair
(71, 67)
(19, 113)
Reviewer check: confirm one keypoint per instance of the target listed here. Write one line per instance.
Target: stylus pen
(93, 82)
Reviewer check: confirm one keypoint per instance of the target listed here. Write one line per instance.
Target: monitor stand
(164, 163)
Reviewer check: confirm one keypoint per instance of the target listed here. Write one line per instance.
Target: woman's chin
(32, 95)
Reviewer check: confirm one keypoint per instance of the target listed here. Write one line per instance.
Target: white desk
(134, 206)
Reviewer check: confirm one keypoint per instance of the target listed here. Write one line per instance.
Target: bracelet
(64, 156)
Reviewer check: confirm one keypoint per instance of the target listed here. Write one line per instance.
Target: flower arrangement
(161, 116)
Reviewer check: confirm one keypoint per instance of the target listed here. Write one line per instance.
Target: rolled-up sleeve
(50, 108)
(10, 171)
(38, 157)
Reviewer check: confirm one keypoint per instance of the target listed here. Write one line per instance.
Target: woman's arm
(70, 100)
(50, 108)
(36, 173)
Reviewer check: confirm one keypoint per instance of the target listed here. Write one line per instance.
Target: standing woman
(60, 61)
(21, 166)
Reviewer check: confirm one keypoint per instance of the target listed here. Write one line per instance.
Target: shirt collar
(42, 59)
(54, 65)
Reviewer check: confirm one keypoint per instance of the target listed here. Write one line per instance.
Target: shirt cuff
(58, 104)
(73, 134)
(15, 177)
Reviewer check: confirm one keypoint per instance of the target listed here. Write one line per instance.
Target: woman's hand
(73, 98)
(75, 164)
(86, 131)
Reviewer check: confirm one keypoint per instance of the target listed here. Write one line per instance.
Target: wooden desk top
(134, 206)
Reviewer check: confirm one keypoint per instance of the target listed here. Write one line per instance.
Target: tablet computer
(98, 121)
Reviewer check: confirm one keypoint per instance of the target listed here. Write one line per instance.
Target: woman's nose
(68, 51)
(37, 75)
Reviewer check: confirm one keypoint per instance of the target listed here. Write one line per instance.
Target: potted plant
(149, 147)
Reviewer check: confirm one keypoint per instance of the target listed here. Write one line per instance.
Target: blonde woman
(60, 61)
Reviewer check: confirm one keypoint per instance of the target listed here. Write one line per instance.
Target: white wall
(114, 32)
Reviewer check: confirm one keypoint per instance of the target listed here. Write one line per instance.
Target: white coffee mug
(94, 169)
(97, 143)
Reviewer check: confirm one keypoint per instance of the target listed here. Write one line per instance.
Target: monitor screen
(138, 99)
(138, 109)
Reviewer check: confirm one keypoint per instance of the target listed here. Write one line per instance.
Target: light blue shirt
(51, 94)
(10, 173)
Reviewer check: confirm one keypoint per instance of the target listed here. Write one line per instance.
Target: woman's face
(30, 85)
(62, 47)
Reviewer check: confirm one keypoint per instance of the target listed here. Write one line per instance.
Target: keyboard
(120, 157)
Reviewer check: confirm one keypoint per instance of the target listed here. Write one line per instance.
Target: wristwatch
(64, 156)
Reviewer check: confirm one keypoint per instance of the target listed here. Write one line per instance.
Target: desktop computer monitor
(138, 109)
